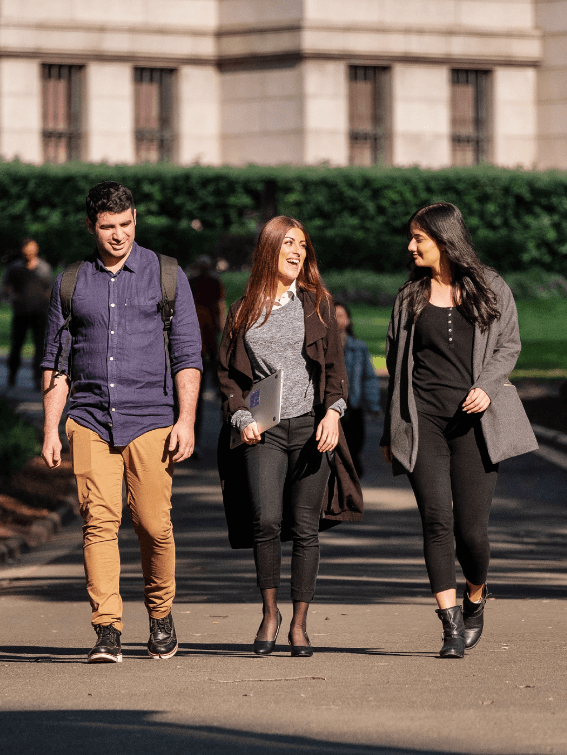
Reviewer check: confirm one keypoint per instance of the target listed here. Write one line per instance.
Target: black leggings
(452, 466)
(287, 459)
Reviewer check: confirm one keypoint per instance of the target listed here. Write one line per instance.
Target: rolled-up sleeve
(185, 336)
(53, 334)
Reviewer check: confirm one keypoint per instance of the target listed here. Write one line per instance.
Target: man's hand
(51, 451)
(387, 451)
(327, 433)
(182, 440)
(477, 401)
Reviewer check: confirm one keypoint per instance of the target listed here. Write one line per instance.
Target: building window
(62, 97)
(369, 115)
(154, 114)
(470, 116)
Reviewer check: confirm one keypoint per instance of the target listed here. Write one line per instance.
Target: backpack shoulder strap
(168, 276)
(66, 291)
(68, 284)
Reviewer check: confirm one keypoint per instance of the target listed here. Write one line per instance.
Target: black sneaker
(107, 648)
(163, 640)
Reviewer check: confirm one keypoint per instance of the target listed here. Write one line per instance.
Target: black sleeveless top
(442, 352)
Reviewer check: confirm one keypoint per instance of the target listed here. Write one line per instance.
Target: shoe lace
(106, 630)
(162, 625)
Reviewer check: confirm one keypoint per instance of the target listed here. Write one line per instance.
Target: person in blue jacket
(364, 385)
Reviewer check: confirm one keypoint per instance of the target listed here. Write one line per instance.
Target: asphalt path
(375, 683)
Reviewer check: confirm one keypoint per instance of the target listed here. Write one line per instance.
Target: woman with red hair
(299, 472)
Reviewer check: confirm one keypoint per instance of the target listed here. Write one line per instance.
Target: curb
(39, 532)
(12, 548)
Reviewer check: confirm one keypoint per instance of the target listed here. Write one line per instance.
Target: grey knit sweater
(280, 344)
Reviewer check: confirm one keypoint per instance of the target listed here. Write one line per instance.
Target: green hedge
(18, 440)
(356, 216)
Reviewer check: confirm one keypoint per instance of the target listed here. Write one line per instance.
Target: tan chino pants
(100, 468)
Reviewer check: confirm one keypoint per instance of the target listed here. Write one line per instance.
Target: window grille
(153, 96)
(62, 88)
(369, 121)
(470, 112)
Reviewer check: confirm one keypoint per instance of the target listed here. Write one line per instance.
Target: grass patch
(543, 330)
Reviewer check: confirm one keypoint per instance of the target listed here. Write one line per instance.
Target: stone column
(109, 116)
(325, 112)
(261, 115)
(514, 120)
(198, 115)
(421, 115)
(551, 18)
(20, 114)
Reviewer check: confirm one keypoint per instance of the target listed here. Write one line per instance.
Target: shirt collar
(290, 293)
(132, 262)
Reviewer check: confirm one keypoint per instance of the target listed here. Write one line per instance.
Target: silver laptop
(265, 404)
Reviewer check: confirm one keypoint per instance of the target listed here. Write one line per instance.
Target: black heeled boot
(473, 616)
(453, 632)
(265, 647)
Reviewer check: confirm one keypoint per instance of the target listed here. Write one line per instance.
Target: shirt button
(112, 385)
(112, 305)
(111, 332)
(113, 409)
(450, 330)
(450, 339)
(112, 280)
(112, 359)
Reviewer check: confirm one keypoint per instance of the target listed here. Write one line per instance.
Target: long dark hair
(263, 282)
(349, 329)
(475, 299)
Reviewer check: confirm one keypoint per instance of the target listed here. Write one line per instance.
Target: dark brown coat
(343, 498)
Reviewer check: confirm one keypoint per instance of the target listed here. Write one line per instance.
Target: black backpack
(166, 307)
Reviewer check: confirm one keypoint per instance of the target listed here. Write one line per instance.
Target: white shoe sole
(159, 657)
(105, 658)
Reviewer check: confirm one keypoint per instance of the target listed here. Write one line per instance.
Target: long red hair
(263, 282)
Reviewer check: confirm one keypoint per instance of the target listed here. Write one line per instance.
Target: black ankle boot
(453, 632)
(473, 616)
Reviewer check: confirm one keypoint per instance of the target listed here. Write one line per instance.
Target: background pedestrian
(27, 284)
(363, 386)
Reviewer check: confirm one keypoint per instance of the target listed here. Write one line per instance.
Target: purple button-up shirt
(118, 358)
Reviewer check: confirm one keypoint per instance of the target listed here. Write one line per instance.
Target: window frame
(481, 136)
(380, 134)
(165, 133)
(71, 134)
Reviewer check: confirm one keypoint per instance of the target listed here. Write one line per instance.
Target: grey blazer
(505, 426)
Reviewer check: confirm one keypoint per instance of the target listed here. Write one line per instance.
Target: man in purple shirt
(121, 413)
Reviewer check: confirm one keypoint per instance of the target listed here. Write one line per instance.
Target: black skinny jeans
(287, 459)
(453, 467)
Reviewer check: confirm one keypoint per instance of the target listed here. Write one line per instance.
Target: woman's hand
(327, 433)
(250, 434)
(477, 401)
(387, 451)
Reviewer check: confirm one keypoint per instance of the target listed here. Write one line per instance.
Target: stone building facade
(403, 82)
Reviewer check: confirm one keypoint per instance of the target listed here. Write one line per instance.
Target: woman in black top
(449, 301)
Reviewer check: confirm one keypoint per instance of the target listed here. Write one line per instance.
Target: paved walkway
(374, 684)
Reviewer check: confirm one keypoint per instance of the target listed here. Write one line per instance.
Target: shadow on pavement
(377, 561)
(92, 732)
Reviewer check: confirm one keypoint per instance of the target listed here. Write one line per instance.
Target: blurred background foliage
(355, 216)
